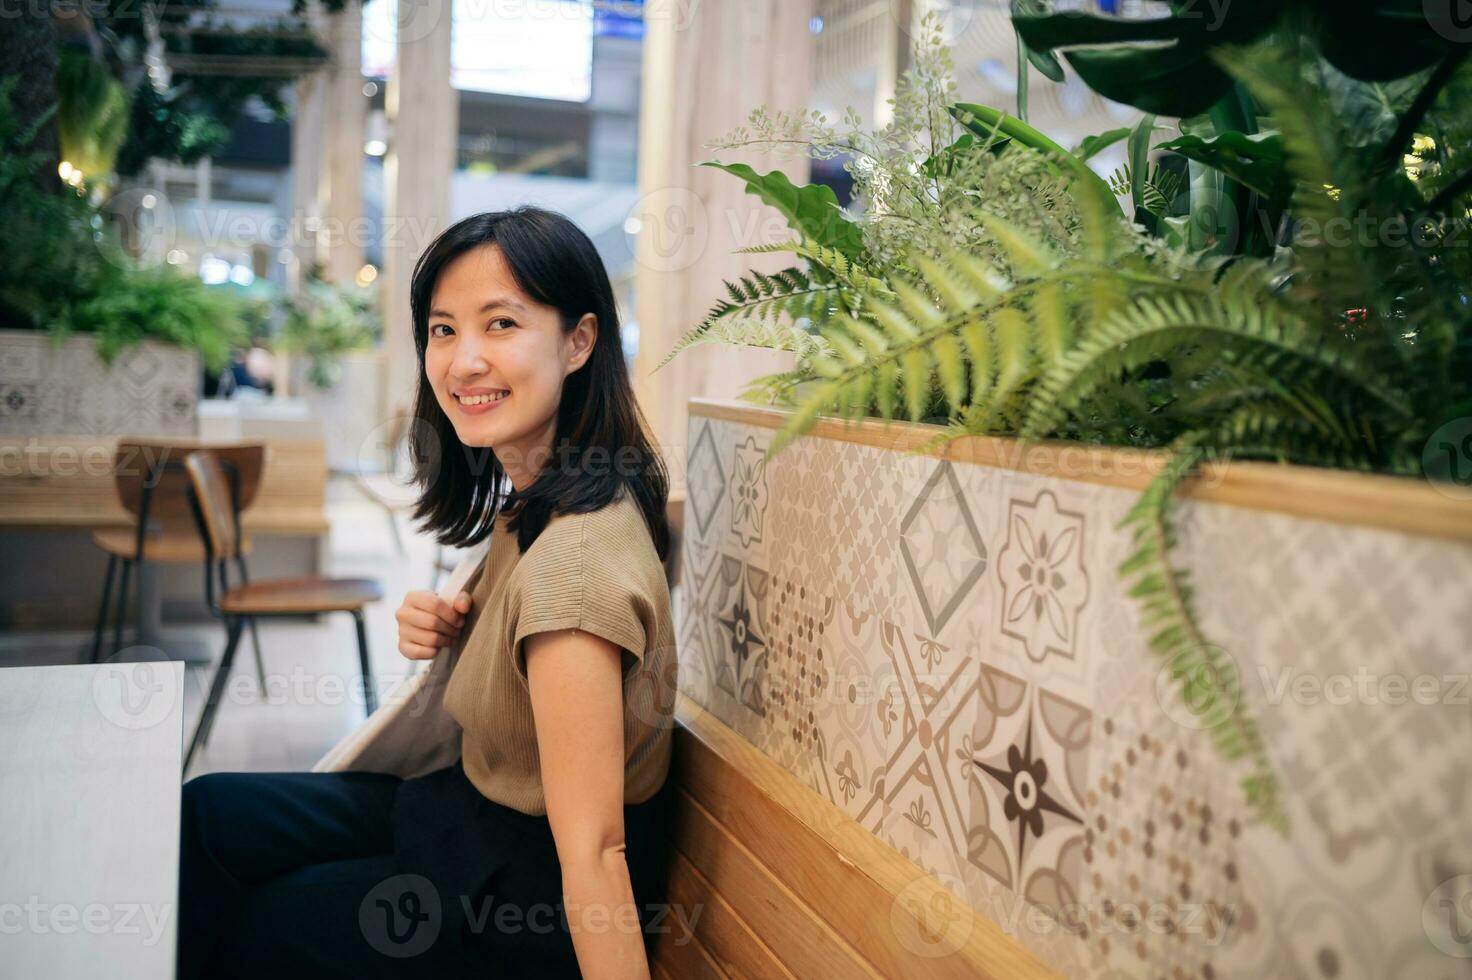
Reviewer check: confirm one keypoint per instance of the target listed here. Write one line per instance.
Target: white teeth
(481, 399)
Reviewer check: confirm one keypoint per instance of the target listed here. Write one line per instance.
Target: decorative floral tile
(1028, 759)
(738, 629)
(1044, 581)
(748, 492)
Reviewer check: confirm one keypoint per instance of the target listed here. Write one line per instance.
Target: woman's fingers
(422, 637)
(425, 620)
(428, 622)
(417, 651)
(449, 613)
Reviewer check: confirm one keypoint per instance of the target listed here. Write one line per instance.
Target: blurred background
(209, 241)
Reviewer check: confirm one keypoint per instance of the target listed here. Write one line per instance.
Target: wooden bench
(781, 883)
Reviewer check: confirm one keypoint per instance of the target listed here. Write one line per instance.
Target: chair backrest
(154, 470)
(216, 511)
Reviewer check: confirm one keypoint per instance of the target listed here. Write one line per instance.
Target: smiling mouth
(481, 399)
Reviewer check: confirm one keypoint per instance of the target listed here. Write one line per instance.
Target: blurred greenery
(67, 273)
(327, 321)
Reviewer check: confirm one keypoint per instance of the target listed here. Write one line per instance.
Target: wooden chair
(769, 879)
(153, 487)
(219, 528)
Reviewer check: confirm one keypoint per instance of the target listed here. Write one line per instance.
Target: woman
(542, 851)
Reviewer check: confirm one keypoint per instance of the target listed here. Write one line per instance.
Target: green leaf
(1139, 159)
(984, 121)
(1252, 159)
(1176, 80)
(1095, 144)
(811, 210)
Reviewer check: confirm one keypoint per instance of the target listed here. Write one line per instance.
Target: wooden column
(423, 117)
(706, 66)
(340, 246)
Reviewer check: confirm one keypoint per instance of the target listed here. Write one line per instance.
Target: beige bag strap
(411, 733)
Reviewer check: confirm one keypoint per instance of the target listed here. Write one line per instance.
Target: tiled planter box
(942, 647)
(150, 389)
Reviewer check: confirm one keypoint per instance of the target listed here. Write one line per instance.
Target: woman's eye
(439, 326)
(501, 319)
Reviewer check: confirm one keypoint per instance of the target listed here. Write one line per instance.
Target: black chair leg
(370, 695)
(112, 571)
(234, 626)
(122, 614)
(255, 637)
(255, 642)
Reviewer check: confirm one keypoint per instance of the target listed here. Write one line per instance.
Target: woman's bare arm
(576, 683)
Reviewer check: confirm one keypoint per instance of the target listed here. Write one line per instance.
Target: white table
(89, 820)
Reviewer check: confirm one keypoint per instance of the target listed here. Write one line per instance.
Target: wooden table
(89, 820)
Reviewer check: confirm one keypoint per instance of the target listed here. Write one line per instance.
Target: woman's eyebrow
(492, 304)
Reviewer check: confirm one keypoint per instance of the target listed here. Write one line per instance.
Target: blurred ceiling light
(367, 274)
(213, 271)
(177, 256)
(242, 275)
(375, 148)
(633, 224)
(370, 89)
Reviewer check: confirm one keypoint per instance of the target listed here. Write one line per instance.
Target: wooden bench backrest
(786, 884)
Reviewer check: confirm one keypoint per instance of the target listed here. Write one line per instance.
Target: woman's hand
(427, 622)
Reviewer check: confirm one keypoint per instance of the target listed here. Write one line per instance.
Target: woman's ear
(583, 337)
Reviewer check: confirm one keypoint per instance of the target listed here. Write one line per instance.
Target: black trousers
(360, 875)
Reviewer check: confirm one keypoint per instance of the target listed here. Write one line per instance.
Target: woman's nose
(469, 359)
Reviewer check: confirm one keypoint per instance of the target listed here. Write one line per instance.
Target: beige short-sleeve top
(598, 572)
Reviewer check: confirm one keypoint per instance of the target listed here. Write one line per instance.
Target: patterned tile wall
(151, 389)
(944, 651)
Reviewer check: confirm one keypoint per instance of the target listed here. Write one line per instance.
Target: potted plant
(93, 342)
(987, 582)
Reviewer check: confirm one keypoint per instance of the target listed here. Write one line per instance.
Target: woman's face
(496, 360)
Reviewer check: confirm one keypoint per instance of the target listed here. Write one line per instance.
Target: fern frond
(761, 309)
(1209, 681)
(1150, 329)
(1161, 186)
(1027, 256)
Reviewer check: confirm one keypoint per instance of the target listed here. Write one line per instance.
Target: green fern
(1209, 683)
(769, 310)
(1161, 187)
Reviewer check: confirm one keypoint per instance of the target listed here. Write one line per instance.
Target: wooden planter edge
(1393, 503)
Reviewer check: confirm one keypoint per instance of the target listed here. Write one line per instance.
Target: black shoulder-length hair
(601, 444)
